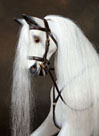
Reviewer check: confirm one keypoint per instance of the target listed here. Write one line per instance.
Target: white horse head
(74, 68)
(38, 43)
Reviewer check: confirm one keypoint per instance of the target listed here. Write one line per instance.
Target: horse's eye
(37, 39)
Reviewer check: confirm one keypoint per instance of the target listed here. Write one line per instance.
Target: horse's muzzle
(35, 72)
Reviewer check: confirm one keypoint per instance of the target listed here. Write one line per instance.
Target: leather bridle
(45, 63)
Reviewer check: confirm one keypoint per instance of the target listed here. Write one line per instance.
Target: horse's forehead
(37, 33)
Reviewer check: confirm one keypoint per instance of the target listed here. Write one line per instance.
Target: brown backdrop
(84, 12)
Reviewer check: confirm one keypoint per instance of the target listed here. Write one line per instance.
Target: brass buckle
(42, 65)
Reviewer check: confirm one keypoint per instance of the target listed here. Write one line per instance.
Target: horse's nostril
(33, 69)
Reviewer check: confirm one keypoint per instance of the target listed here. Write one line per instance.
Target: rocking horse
(74, 109)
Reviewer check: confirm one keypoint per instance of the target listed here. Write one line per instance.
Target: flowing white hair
(21, 88)
(78, 63)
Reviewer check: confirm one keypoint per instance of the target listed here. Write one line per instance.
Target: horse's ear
(29, 20)
(33, 21)
(20, 21)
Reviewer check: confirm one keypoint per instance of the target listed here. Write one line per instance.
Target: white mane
(21, 89)
(78, 63)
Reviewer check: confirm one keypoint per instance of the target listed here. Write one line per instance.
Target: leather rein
(45, 64)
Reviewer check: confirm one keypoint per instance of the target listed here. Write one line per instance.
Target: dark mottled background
(84, 12)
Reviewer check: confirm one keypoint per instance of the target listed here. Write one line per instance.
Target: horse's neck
(62, 76)
(58, 71)
(75, 53)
